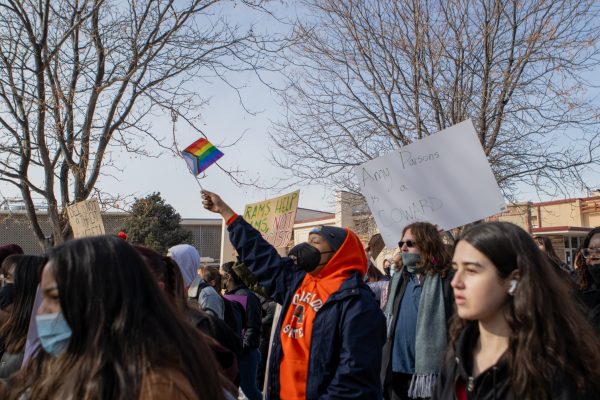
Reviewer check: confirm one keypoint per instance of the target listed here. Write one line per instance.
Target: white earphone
(513, 286)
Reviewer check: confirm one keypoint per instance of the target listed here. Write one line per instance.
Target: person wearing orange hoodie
(329, 338)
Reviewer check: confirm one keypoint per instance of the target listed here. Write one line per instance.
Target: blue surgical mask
(54, 332)
(410, 260)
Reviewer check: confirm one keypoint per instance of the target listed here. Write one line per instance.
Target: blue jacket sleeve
(363, 336)
(275, 273)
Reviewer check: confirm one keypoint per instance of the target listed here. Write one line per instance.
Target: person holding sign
(328, 340)
(518, 332)
(418, 309)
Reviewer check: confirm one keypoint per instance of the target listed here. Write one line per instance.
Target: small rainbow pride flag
(200, 155)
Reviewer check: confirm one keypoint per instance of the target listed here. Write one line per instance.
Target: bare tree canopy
(368, 77)
(80, 76)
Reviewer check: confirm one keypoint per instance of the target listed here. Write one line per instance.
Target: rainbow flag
(200, 155)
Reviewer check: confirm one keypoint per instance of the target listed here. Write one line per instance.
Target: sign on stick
(85, 219)
(444, 179)
(274, 218)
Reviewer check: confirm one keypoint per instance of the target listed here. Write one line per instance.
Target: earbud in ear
(513, 286)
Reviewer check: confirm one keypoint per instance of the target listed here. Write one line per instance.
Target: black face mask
(595, 273)
(306, 257)
(7, 294)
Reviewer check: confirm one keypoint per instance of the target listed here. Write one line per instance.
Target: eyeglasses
(588, 253)
(409, 243)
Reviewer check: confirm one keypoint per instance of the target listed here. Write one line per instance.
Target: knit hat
(332, 234)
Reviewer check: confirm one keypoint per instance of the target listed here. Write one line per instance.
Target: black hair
(228, 269)
(584, 278)
(26, 275)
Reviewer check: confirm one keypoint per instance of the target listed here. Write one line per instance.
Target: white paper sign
(444, 179)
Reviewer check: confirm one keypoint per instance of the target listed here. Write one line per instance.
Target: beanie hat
(332, 234)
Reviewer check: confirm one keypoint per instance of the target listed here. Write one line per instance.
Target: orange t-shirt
(313, 292)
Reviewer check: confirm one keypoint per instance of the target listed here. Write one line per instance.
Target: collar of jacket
(463, 353)
(350, 287)
(235, 289)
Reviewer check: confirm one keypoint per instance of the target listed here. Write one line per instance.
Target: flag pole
(174, 120)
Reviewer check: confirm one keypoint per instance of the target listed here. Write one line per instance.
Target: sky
(224, 120)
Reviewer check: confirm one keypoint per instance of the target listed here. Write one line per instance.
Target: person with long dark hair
(7, 290)
(13, 333)
(587, 267)
(518, 333)
(108, 332)
(545, 244)
(224, 343)
(418, 309)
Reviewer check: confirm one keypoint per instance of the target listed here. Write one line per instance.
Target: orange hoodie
(313, 292)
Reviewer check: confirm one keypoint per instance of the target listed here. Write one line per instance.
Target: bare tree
(368, 77)
(79, 77)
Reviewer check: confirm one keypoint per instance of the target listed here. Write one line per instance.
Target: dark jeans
(249, 362)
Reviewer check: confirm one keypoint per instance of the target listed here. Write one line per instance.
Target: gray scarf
(431, 338)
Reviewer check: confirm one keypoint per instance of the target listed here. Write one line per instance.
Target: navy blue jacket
(348, 331)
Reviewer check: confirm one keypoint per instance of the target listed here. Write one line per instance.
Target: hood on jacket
(348, 258)
(188, 259)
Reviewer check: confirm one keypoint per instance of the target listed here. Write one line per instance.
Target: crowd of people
(491, 314)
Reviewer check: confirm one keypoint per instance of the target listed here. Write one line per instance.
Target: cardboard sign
(444, 179)
(85, 219)
(274, 218)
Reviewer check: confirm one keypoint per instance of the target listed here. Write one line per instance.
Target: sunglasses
(587, 253)
(409, 243)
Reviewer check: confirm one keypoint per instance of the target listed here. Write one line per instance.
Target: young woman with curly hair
(418, 309)
(518, 333)
(587, 267)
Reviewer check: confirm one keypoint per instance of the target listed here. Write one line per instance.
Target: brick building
(566, 221)
(15, 228)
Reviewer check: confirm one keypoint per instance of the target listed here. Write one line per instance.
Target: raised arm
(275, 273)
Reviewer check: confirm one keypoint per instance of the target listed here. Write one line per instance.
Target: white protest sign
(444, 179)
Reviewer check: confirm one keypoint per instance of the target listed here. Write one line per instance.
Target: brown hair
(550, 336)
(166, 271)
(434, 256)
(122, 327)
(211, 273)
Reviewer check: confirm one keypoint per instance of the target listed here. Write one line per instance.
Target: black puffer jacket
(591, 300)
(491, 384)
(251, 335)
